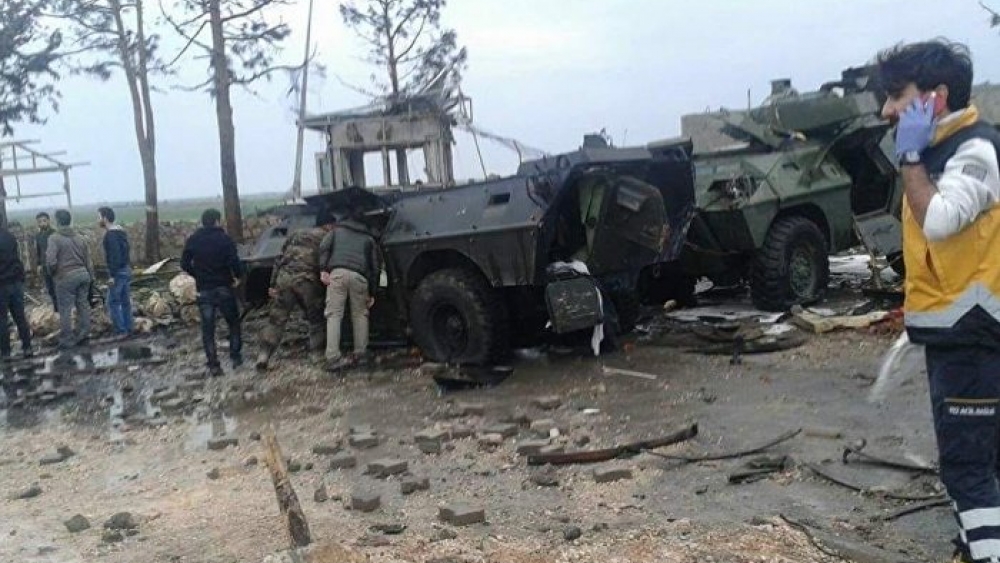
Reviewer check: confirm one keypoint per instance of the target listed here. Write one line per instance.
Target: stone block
(343, 461)
(547, 402)
(531, 447)
(543, 427)
(460, 432)
(489, 442)
(506, 430)
(216, 444)
(382, 468)
(363, 441)
(365, 501)
(429, 447)
(414, 484)
(462, 514)
(331, 448)
(431, 435)
(612, 474)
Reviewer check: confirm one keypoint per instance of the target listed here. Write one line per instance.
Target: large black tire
(456, 317)
(792, 268)
(627, 309)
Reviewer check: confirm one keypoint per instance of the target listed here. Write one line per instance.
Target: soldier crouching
(295, 284)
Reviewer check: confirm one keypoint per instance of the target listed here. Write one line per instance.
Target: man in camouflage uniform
(295, 283)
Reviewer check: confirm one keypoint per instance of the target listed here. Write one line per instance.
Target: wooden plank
(288, 501)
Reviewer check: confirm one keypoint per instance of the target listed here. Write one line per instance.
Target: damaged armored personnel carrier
(469, 269)
(781, 186)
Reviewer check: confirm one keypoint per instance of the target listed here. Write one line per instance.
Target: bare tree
(109, 35)
(27, 55)
(241, 46)
(406, 39)
(27, 79)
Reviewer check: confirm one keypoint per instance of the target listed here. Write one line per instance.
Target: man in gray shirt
(68, 259)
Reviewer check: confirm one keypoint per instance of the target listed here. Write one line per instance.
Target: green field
(131, 212)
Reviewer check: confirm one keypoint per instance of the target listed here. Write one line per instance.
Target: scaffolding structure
(18, 159)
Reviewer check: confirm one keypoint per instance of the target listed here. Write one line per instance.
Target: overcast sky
(542, 71)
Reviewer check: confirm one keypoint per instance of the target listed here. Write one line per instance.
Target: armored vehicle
(468, 269)
(781, 186)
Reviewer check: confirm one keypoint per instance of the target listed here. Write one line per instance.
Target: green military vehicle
(469, 269)
(781, 186)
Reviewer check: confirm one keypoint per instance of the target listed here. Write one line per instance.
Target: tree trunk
(227, 131)
(142, 117)
(148, 156)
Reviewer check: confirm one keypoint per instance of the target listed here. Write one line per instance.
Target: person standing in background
(210, 257)
(12, 295)
(45, 230)
(68, 258)
(116, 254)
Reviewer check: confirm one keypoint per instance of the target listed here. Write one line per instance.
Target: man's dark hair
(107, 214)
(63, 218)
(210, 217)
(42, 215)
(928, 64)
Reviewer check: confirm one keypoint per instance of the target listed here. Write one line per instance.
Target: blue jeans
(221, 300)
(120, 302)
(12, 302)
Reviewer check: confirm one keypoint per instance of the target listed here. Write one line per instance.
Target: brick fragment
(462, 514)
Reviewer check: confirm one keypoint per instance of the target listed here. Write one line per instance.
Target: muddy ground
(138, 421)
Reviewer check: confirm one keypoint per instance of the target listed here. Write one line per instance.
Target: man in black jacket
(210, 258)
(12, 295)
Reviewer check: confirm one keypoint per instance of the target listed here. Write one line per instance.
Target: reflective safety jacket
(953, 285)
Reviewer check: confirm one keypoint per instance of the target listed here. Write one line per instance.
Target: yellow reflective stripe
(975, 294)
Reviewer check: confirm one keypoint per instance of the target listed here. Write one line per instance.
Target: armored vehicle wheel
(792, 267)
(627, 308)
(456, 317)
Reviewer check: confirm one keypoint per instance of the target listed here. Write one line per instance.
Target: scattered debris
(632, 448)
(760, 468)
(389, 529)
(214, 473)
(910, 509)
(826, 474)
(817, 323)
(343, 460)
(547, 402)
(729, 455)
(327, 449)
(122, 521)
(288, 501)
(856, 451)
(462, 514)
(612, 474)
(505, 430)
(62, 454)
(413, 484)
(363, 441)
(824, 432)
(383, 468)
(617, 371)
(572, 533)
(216, 444)
(365, 501)
(77, 524)
(31, 492)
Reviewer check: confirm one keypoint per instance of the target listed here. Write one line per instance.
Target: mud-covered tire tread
(770, 289)
(480, 304)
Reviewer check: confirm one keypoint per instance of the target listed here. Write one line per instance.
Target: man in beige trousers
(349, 265)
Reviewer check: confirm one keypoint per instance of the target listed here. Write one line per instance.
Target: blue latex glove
(916, 126)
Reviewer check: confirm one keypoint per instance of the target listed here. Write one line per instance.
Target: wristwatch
(909, 158)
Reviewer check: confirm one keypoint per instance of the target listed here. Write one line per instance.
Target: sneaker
(215, 371)
(337, 365)
(237, 362)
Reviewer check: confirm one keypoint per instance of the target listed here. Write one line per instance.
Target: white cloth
(969, 186)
